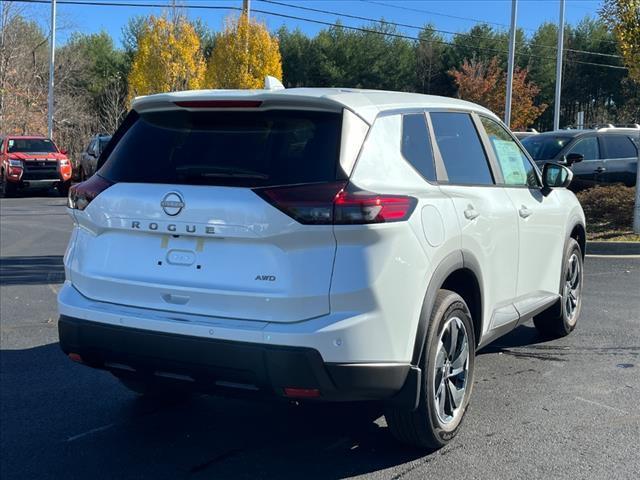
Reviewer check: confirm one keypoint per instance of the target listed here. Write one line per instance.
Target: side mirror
(64, 151)
(556, 176)
(573, 158)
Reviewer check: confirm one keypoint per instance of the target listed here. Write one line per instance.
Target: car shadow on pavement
(31, 270)
(64, 420)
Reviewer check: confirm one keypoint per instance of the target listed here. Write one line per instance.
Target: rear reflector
(75, 357)
(334, 203)
(219, 103)
(301, 392)
(82, 194)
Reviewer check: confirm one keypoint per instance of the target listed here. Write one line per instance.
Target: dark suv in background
(89, 159)
(599, 156)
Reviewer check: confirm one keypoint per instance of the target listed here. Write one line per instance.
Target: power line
(413, 9)
(476, 20)
(416, 27)
(319, 22)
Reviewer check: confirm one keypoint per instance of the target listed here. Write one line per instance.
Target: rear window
(246, 149)
(619, 146)
(416, 147)
(30, 145)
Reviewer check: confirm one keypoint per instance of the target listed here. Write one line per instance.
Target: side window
(619, 146)
(514, 164)
(588, 147)
(416, 147)
(90, 147)
(460, 148)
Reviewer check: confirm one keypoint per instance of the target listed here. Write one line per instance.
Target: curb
(613, 248)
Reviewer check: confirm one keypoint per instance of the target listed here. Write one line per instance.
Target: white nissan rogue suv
(319, 245)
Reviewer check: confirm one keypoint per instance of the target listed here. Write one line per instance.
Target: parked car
(32, 162)
(90, 155)
(599, 156)
(528, 133)
(317, 245)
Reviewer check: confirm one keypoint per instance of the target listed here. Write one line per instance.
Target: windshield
(247, 149)
(30, 145)
(545, 147)
(103, 143)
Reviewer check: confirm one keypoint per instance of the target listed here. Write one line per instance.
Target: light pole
(512, 55)
(556, 109)
(52, 54)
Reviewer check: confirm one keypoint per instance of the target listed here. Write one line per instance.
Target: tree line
(96, 79)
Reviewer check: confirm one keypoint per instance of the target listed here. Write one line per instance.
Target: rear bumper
(221, 365)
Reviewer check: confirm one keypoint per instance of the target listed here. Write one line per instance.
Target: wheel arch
(458, 272)
(579, 234)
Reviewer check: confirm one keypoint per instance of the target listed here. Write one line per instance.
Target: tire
(432, 426)
(561, 319)
(9, 189)
(63, 188)
(155, 390)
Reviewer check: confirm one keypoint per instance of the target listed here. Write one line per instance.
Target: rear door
(195, 221)
(621, 159)
(487, 218)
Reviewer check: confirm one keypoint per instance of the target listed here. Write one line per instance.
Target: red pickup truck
(33, 162)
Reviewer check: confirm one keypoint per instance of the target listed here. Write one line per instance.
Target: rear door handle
(525, 212)
(471, 213)
(600, 170)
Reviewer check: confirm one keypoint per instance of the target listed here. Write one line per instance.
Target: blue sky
(452, 15)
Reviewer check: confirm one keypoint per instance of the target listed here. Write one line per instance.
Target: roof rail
(625, 126)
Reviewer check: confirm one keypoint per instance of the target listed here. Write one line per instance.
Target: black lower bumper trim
(213, 363)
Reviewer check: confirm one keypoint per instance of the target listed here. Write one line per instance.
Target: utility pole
(636, 210)
(556, 109)
(512, 56)
(246, 7)
(52, 54)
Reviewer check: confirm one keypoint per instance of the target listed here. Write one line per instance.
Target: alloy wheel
(451, 370)
(571, 293)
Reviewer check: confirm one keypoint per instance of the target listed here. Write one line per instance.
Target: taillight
(82, 194)
(334, 203)
(361, 207)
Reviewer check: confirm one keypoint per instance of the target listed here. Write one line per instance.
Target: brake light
(365, 207)
(334, 203)
(219, 103)
(293, 392)
(82, 194)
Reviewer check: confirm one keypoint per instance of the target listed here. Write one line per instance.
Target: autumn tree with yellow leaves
(169, 57)
(623, 18)
(243, 55)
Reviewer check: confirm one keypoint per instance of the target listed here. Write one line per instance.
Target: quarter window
(460, 148)
(515, 166)
(619, 146)
(416, 147)
(587, 147)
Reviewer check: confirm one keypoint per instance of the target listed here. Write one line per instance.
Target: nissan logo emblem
(172, 204)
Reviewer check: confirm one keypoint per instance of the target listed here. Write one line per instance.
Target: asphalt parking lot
(568, 408)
